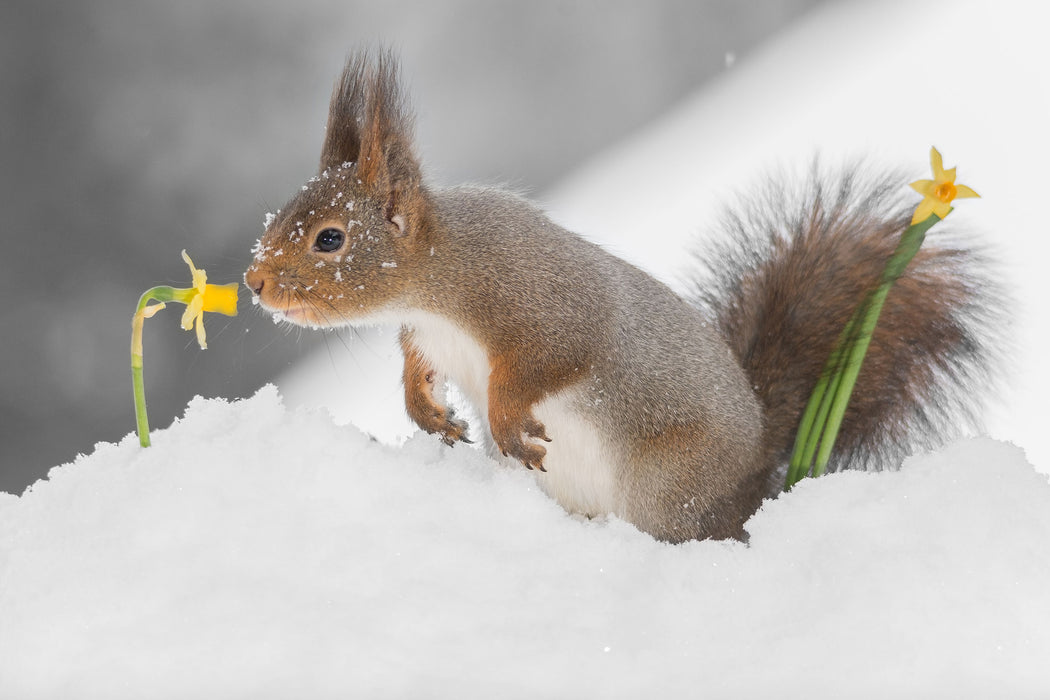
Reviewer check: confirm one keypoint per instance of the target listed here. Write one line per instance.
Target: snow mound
(255, 551)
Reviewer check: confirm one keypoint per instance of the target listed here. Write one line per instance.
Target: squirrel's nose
(254, 280)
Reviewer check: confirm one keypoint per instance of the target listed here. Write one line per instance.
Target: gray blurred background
(133, 129)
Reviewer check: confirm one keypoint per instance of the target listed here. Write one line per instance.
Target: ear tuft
(342, 142)
(386, 154)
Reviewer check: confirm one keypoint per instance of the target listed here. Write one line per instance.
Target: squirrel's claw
(533, 428)
(510, 438)
(450, 430)
(529, 455)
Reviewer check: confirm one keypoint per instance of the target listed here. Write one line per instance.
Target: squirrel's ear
(342, 140)
(387, 163)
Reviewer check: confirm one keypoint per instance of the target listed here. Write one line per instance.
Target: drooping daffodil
(939, 192)
(216, 298)
(200, 298)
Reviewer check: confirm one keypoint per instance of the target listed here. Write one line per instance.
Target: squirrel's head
(342, 248)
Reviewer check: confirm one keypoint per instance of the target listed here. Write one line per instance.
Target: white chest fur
(581, 466)
(454, 354)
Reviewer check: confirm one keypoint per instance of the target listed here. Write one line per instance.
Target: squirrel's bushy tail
(788, 273)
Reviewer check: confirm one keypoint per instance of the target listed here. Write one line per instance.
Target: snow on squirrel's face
(330, 255)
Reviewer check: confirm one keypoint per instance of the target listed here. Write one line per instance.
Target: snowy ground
(258, 551)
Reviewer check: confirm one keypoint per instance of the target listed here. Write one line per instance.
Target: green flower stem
(823, 416)
(807, 440)
(158, 294)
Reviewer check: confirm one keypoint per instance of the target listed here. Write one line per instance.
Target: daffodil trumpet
(201, 297)
(824, 412)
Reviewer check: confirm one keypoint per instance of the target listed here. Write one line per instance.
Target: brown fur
(783, 285)
(675, 416)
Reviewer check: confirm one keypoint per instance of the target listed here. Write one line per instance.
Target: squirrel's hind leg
(689, 481)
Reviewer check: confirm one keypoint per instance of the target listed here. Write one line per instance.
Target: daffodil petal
(193, 310)
(937, 164)
(924, 187)
(948, 175)
(923, 211)
(150, 310)
(964, 191)
(201, 340)
(942, 209)
(200, 277)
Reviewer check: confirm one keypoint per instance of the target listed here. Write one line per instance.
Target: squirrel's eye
(329, 240)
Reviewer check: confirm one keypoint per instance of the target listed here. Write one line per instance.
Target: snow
(257, 551)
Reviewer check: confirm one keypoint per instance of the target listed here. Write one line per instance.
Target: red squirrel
(627, 399)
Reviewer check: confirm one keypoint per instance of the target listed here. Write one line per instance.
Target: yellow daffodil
(939, 192)
(206, 297)
(201, 297)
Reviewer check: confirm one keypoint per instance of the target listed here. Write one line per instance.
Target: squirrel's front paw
(448, 427)
(511, 443)
(441, 421)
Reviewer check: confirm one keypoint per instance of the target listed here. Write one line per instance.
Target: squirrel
(627, 399)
